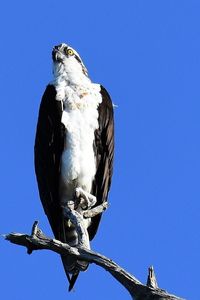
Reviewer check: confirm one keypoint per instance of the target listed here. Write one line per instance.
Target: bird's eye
(70, 52)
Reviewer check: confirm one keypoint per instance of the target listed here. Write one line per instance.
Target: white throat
(70, 82)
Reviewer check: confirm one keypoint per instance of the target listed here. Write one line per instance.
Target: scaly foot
(87, 200)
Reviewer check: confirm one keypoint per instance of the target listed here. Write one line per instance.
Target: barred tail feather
(72, 266)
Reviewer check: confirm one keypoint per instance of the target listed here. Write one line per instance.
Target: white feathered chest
(80, 118)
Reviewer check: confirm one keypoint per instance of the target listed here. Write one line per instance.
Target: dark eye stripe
(76, 56)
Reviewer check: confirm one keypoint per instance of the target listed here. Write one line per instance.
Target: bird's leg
(78, 221)
(87, 200)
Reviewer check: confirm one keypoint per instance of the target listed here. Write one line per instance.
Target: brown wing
(104, 150)
(49, 143)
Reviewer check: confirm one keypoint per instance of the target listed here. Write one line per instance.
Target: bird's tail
(72, 275)
(72, 266)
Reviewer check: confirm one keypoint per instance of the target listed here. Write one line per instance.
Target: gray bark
(138, 291)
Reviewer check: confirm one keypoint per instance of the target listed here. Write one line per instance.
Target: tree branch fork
(138, 291)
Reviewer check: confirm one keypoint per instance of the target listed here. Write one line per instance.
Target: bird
(74, 150)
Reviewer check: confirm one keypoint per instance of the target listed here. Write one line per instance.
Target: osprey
(73, 149)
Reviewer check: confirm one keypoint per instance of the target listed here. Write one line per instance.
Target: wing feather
(104, 151)
(48, 148)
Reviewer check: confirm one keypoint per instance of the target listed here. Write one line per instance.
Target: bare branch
(92, 212)
(151, 280)
(137, 290)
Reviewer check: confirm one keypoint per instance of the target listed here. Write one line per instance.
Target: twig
(137, 290)
(90, 213)
(151, 280)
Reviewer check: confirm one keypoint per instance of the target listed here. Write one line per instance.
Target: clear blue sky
(147, 55)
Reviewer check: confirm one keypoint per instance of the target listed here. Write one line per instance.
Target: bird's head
(66, 58)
